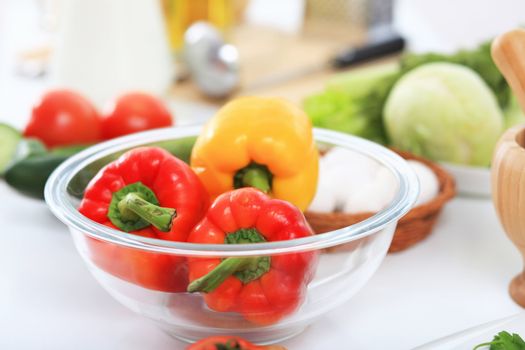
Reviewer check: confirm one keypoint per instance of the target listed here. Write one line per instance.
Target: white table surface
(455, 279)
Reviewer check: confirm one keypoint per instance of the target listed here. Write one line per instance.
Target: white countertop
(455, 279)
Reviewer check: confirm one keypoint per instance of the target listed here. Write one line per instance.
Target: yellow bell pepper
(259, 142)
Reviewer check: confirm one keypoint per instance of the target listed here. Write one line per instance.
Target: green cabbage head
(444, 112)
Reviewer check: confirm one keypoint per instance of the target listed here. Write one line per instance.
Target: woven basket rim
(447, 191)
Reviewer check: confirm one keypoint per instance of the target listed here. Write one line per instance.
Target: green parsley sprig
(504, 341)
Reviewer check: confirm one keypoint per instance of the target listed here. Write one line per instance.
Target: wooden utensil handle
(508, 52)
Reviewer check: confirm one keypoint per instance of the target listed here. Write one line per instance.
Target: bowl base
(256, 337)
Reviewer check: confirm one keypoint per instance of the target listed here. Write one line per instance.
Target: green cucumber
(68, 150)
(9, 139)
(29, 175)
(28, 148)
(32, 166)
(180, 148)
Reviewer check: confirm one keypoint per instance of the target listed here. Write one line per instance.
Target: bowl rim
(57, 198)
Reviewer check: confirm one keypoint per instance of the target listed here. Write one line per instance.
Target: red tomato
(229, 342)
(64, 117)
(135, 112)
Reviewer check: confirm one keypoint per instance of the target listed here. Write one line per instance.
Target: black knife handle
(370, 51)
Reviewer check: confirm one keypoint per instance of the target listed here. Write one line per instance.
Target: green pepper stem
(159, 217)
(246, 269)
(258, 178)
(213, 279)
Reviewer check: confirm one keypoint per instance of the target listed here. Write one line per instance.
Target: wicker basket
(412, 228)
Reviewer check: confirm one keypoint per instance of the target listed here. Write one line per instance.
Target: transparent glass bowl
(347, 257)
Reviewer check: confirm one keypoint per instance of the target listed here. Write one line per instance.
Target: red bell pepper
(229, 343)
(162, 272)
(126, 194)
(263, 289)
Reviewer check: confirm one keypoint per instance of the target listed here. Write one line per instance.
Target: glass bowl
(346, 258)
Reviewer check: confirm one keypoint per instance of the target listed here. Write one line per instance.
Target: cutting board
(266, 52)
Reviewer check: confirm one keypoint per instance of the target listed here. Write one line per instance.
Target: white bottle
(107, 47)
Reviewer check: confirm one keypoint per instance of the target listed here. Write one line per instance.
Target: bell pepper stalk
(150, 193)
(265, 143)
(135, 206)
(224, 342)
(263, 289)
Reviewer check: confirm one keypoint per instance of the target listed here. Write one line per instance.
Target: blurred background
(339, 59)
(93, 46)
